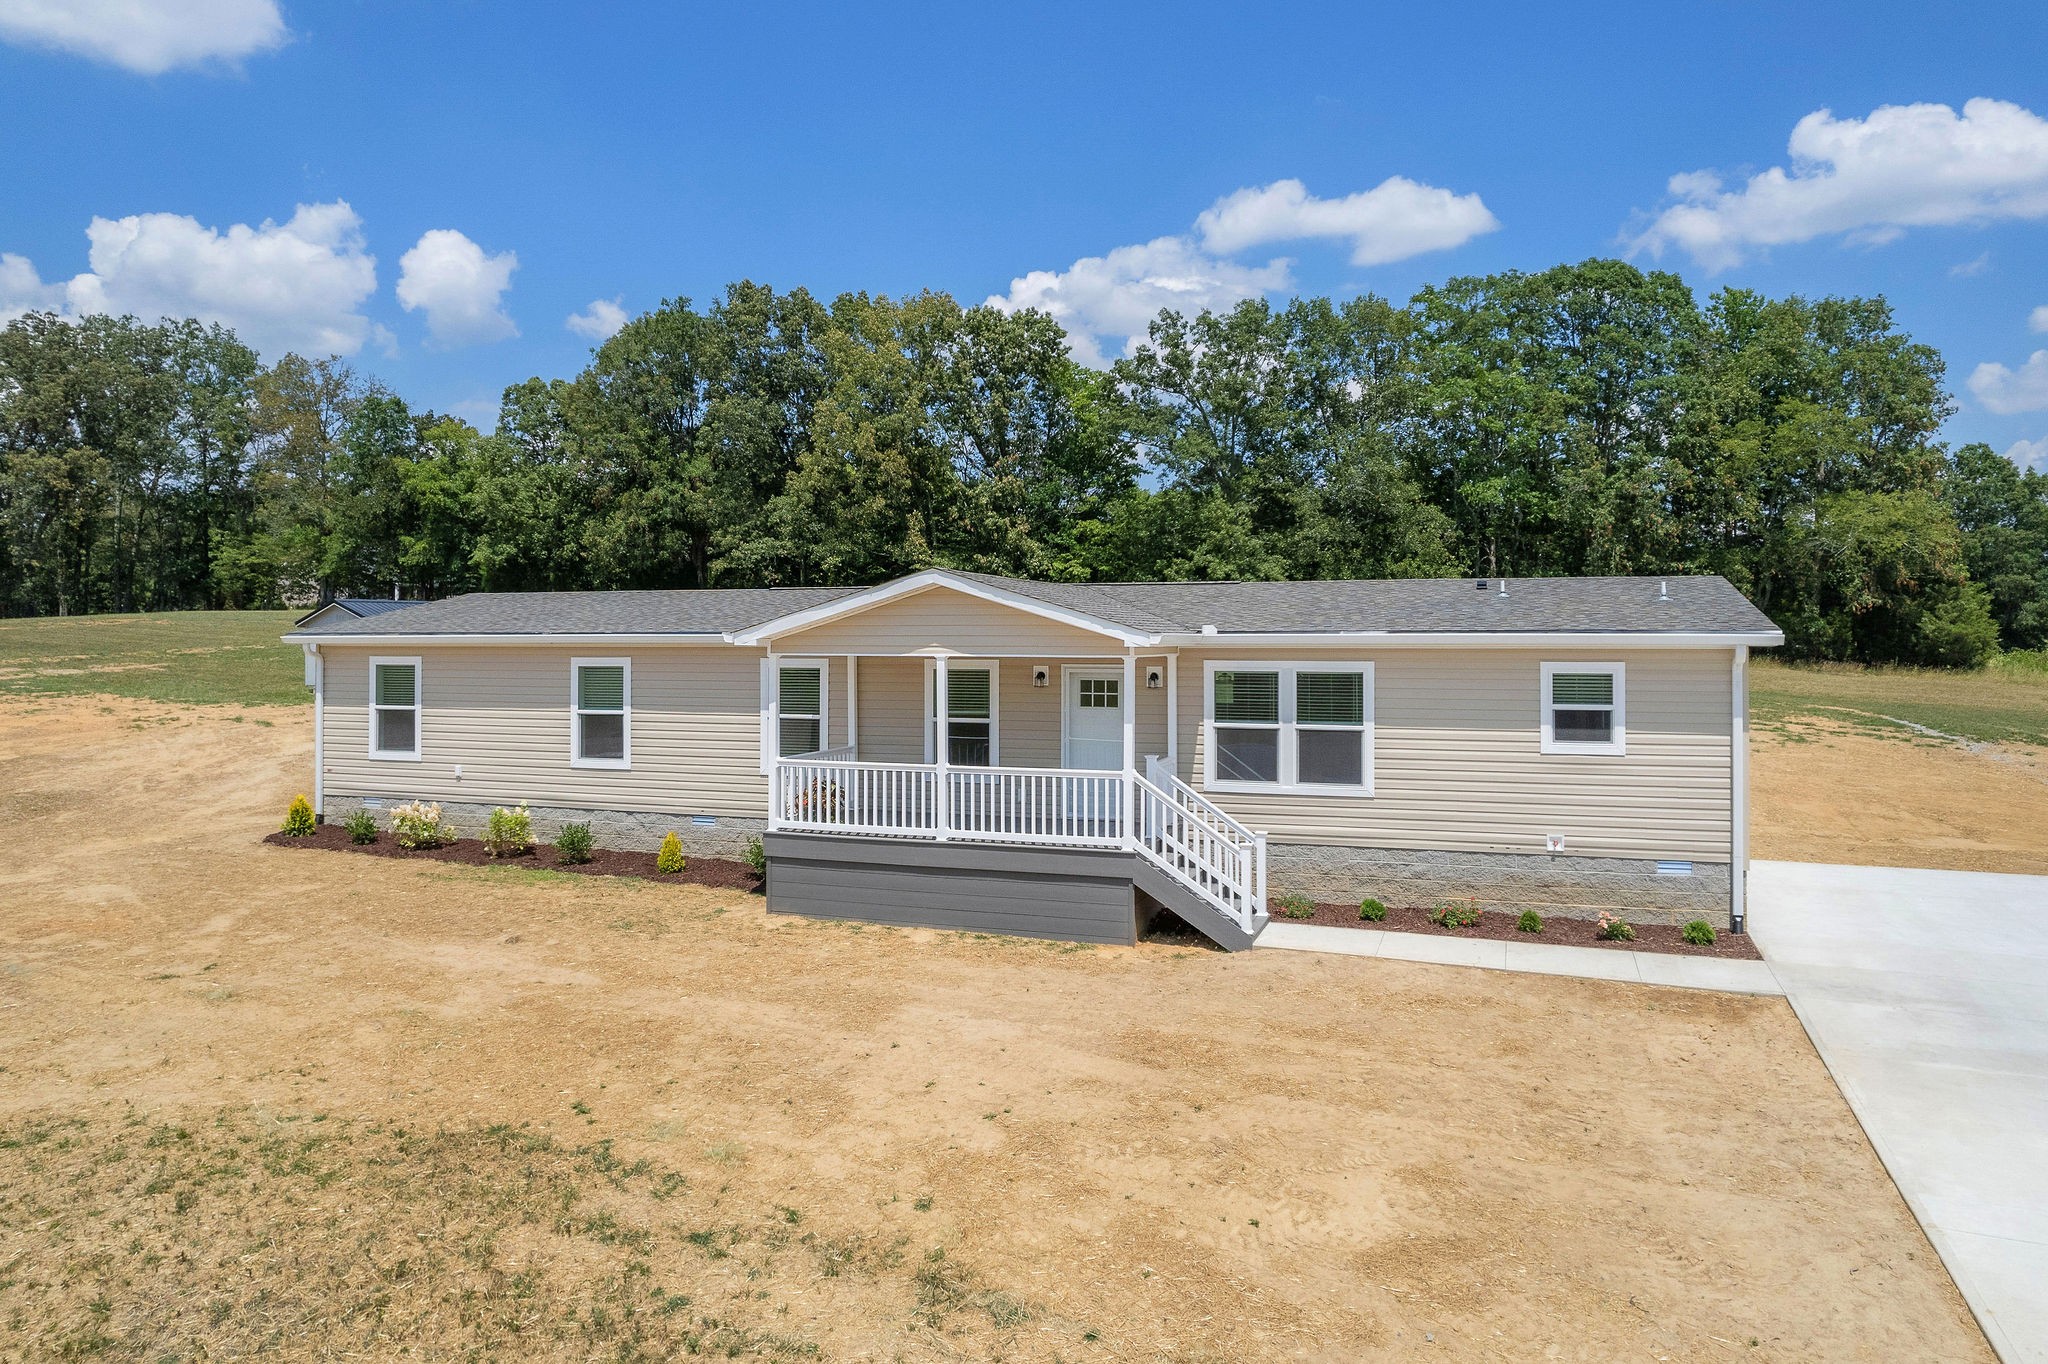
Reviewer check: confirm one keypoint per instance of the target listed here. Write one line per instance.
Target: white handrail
(1168, 823)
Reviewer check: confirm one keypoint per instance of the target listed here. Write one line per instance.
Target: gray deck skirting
(1069, 894)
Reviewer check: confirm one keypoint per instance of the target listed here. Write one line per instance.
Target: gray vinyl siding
(502, 714)
(891, 711)
(1458, 766)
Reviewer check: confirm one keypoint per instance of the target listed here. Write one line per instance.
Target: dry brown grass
(312, 1106)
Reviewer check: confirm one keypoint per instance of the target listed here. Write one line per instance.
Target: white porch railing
(1158, 816)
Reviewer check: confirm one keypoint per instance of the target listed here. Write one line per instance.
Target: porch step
(1167, 890)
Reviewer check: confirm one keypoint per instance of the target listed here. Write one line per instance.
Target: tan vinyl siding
(502, 713)
(1457, 762)
(891, 710)
(941, 618)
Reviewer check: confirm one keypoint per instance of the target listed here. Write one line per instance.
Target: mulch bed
(1501, 925)
(716, 872)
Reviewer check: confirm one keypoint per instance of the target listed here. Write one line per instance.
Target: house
(351, 608)
(1060, 759)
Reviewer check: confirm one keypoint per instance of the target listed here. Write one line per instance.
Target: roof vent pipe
(1664, 591)
(1503, 587)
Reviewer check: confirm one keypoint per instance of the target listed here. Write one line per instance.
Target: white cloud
(146, 36)
(22, 290)
(2006, 391)
(1971, 268)
(2030, 454)
(1868, 180)
(1394, 220)
(2038, 319)
(600, 322)
(461, 290)
(297, 285)
(1118, 294)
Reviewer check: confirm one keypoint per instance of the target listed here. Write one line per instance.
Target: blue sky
(635, 153)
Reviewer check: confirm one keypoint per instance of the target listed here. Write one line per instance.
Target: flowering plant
(1456, 913)
(1614, 928)
(419, 825)
(509, 833)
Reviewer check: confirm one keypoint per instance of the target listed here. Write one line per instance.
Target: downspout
(1738, 766)
(316, 663)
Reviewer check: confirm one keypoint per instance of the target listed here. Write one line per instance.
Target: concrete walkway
(1548, 959)
(1926, 993)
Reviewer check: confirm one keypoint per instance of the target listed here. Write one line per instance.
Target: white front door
(1095, 718)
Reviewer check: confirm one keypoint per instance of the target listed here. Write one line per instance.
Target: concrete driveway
(1927, 995)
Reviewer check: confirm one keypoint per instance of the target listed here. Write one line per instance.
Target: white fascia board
(924, 581)
(1476, 639)
(526, 640)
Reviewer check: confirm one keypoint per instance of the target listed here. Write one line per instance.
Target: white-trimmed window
(600, 712)
(1584, 707)
(973, 700)
(1289, 727)
(395, 709)
(800, 692)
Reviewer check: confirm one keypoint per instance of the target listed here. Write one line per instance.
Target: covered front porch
(947, 717)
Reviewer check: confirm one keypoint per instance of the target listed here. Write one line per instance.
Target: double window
(800, 700)
(1584, 708)
(1290, 727)
(395, 709)
(601, 712)
(968, 728)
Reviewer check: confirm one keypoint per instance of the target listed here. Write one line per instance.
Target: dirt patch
(444, 1108)
(717, 873)
(1501, 926)
(1831, 792)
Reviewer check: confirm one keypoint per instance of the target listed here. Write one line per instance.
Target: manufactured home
(1062, 760)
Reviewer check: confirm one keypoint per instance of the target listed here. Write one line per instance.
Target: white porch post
(771, 735)
(1130, 718)
(853, 704)
(1173, 712)
(941, 709)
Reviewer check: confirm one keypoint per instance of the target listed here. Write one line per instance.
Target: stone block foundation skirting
(1574, 887)
(631, 830)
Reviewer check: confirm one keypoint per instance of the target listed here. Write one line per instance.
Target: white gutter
(525, 639)
(1476, 639)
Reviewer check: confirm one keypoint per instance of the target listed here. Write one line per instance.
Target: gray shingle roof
(651, 612)
(1706, 605)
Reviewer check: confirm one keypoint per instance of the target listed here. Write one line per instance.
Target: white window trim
(933, 720)
(1289, 757)
(824, 667)
(1550, 743)
(619, 764)
(419, 699)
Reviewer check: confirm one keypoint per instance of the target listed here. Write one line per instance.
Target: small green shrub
(418, 824)
(572, 845)
(757, 857)
(361, 826)
(509, 833)
(298, 819)
(1530, 922)
(1295, 906)
(1455, 914)
(1699, 933)
(670, 859)
(1372, 911)
(1614, 928)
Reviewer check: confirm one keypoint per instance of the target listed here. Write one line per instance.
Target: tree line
(1589, 419)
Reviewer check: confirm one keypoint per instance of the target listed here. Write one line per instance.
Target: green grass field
(206, 657)
(2004, 703)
